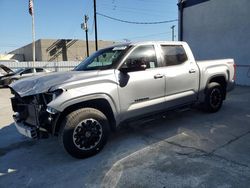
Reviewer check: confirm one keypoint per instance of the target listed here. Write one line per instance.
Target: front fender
(81, 99)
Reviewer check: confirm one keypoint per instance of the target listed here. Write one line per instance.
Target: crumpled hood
(40, 84)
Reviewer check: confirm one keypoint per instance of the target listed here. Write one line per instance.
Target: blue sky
(56, 19)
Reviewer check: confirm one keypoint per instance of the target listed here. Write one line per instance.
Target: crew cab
(115, 85)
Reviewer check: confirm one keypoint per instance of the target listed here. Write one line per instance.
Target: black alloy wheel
(84, 132)
(213, 98)
(87, 134)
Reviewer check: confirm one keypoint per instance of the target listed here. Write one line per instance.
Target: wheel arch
(101, 104)
(220, 79)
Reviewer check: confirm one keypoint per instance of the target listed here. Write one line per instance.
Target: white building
(218, 29)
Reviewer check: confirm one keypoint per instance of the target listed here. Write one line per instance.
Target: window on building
(173, 55)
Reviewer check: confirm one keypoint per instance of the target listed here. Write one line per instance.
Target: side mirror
(131, 66)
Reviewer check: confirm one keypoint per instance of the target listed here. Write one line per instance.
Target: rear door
(181, 73)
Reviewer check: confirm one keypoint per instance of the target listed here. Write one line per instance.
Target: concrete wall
(220, 29)
(59, 50)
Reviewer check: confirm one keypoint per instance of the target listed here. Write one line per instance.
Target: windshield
(103, 59)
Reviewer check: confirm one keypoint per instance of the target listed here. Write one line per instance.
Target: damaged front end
(33, 118)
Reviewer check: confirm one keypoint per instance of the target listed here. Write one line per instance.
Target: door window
(173, 55)
(143, 57)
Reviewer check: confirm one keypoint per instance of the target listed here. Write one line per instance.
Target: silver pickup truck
(115, 85)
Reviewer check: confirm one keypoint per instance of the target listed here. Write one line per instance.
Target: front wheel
(84, 132)
(213, 98)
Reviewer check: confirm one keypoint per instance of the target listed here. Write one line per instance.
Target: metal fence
(53, 66)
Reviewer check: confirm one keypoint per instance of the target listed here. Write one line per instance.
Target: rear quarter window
(173, 55)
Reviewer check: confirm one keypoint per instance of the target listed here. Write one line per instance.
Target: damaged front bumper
(25, 129)
(31, 116)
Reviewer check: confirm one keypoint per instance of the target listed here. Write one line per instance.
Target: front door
(142, 89)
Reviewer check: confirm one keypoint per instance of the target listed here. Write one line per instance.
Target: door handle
(192, 71)
(157, 76)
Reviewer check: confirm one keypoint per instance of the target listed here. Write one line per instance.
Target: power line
(113, 6)
(134, 22)
(92, 27)
(131, 10)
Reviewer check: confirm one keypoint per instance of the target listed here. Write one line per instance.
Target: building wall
(220, 29)
(68, 49)
(59, 50)
(10, 57)
(25, 53)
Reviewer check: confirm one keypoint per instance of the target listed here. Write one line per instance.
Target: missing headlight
(49, 96)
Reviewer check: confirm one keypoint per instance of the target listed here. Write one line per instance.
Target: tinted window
(142, 55)
(27, 71)
(173, 55)
(40, 70)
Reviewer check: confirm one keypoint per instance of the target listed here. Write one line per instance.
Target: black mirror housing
(131, 67)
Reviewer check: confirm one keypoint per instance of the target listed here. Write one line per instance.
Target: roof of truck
(160, 42)
(149, 42)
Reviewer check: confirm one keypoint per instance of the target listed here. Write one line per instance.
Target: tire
(84, 132)
(213, 98)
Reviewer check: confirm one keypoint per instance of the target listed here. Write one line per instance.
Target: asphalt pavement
(187, 148)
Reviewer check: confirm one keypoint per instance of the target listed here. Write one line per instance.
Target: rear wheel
(213, 98)
(84, 132)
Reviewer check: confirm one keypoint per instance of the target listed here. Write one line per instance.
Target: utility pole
(96, 41)
(173, 32)
(84, 26)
